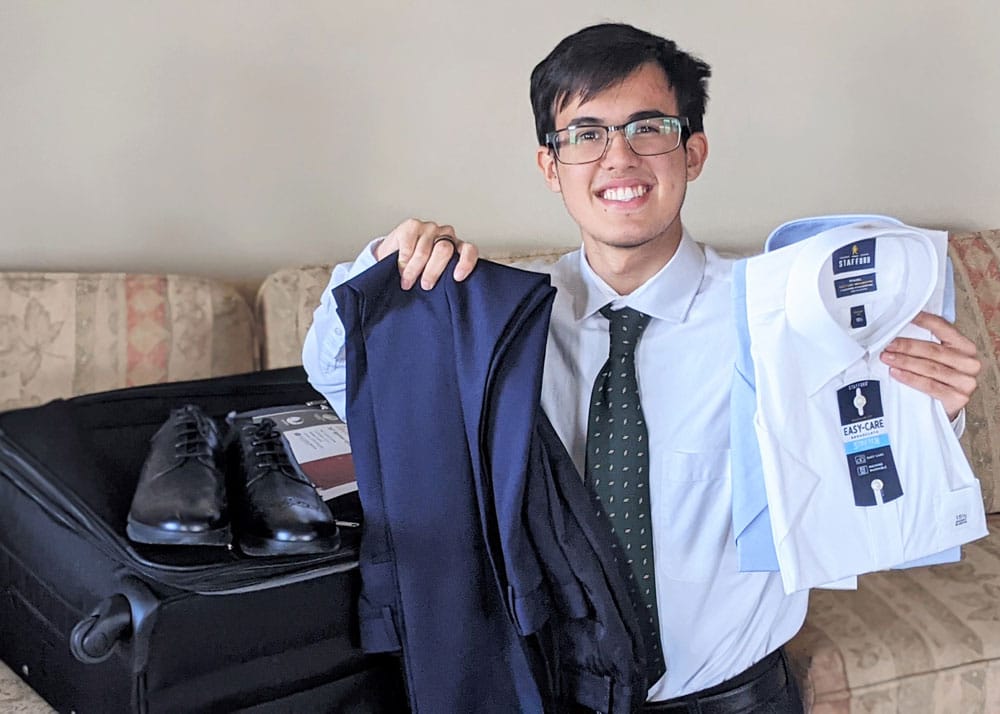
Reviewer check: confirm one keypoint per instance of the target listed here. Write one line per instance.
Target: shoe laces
(193, 436)
(269, 452)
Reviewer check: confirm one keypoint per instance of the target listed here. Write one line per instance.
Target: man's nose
(619, 151)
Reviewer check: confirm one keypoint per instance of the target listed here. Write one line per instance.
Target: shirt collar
(667, 295)
(802, 228)
(831, 348)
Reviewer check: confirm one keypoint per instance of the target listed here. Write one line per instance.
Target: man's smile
(620, 193)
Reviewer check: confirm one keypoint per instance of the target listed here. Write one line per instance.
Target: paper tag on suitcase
(318, 442)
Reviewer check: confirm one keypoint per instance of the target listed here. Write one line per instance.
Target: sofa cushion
(918, 640)
(63, 334)
(976, 258)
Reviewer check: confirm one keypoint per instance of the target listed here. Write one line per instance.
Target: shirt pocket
(960, 515)
(692, 519)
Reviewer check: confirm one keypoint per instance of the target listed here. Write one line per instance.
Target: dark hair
(597, 57)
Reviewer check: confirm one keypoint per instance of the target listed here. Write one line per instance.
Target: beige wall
(230, 137)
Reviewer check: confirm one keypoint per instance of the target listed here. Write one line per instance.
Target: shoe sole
(258, 547)
(151, 535)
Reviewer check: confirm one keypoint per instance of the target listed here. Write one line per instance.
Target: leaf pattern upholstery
(72, 333)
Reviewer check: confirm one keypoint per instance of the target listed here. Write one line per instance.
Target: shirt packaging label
(851, 258)
(854, 256)
(858, 318)
(855, 285)
(866, 444)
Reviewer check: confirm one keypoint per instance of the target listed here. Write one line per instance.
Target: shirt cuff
(958, 424)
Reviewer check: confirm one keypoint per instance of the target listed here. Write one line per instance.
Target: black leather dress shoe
(278, 509)
(181, 496)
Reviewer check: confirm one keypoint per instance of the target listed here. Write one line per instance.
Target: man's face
(623, 200)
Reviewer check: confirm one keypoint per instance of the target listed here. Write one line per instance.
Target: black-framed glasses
(584, 143)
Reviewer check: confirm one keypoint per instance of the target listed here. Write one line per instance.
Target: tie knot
(625, 327)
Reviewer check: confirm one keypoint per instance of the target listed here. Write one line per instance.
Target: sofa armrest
(284, 307)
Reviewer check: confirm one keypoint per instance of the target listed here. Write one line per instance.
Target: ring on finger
(445, 237)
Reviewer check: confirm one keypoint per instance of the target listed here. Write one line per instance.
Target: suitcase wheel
(94, 638)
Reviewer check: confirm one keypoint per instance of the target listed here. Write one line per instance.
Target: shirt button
(339, 332)
(877, 485)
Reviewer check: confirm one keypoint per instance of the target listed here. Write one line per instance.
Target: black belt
(755, 686)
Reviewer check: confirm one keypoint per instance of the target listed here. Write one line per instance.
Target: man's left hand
(946, 371)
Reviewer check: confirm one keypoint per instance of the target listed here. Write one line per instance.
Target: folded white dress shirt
(861, 472)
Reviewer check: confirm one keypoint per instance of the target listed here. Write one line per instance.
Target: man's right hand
(424, 249)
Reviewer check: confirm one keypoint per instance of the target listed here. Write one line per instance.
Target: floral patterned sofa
(914, 641)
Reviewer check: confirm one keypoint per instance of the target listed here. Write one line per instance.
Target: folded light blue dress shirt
(751, 518)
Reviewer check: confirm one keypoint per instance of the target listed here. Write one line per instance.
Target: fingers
(441, 247)
(951, 387)
(421, 259)
(468, 256)
(946, 332)
(424, 255)
(945, 371)
(406, 239)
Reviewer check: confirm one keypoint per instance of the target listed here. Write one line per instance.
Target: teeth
(623, 194)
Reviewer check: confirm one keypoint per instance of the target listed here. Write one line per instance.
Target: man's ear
(696, 150)
(547, 163)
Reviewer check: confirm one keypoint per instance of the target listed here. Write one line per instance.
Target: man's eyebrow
(583, 121)
(644, 114)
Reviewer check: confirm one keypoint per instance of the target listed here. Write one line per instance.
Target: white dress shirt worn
(862, 473)
(714, 620)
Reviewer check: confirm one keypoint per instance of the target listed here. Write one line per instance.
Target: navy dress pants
(481, 559)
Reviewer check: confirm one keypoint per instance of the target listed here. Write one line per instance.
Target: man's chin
(629, 241)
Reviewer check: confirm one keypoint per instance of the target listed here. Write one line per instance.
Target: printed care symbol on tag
(961, 519)
(859, 401)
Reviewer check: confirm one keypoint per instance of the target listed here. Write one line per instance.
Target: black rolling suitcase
(95, 623)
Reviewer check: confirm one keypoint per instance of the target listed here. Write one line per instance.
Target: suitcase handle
(94, 638)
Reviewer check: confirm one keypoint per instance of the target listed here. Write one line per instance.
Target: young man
(618, 116)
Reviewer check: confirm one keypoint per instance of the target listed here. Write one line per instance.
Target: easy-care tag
(874, 478)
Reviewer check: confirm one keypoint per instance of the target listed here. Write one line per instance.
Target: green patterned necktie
(617, 469)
